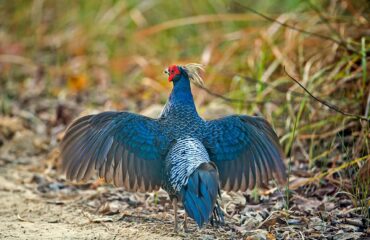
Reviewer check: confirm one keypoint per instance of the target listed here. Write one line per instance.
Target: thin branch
(325, 103)
(236, 100)
(318, 35)
(227, 99)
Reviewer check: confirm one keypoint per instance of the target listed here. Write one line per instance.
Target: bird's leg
(174, 203)
(185, 222)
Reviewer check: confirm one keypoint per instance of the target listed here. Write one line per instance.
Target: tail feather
(191, 207)
(200, 193)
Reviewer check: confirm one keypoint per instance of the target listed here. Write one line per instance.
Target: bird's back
(180, 120)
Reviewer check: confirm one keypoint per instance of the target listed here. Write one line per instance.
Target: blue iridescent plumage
(187, 156)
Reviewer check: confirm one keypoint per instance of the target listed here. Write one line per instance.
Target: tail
(199, 195)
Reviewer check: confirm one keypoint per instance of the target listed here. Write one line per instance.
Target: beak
(170, 77)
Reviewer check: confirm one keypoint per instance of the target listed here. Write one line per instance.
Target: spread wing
(124, 148)
(246, 151)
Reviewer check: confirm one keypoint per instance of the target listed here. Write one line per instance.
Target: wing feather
(123, 148)
(246, 151)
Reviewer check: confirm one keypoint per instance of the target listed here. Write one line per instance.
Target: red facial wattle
(173, 71)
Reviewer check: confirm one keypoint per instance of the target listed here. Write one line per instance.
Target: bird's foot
(185, 222)
(186, 228)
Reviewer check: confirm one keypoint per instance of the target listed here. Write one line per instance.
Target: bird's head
(190, 71)
(173, 72)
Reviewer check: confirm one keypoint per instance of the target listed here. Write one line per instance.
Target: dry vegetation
(62, 59)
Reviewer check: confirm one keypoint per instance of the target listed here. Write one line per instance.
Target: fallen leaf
(77, 82)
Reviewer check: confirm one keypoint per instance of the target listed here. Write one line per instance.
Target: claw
(185, 222)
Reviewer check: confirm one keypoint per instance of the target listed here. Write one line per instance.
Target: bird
(192, 159)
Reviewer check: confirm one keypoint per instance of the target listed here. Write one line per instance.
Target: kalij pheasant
(187, 156)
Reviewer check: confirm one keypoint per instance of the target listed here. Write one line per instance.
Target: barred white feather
(186, 155)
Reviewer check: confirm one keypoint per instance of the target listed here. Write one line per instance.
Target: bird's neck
(180, 104)
(181, 92)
